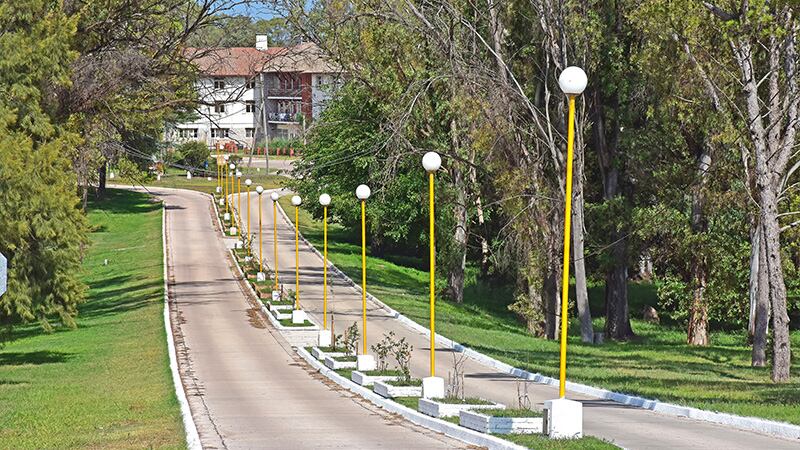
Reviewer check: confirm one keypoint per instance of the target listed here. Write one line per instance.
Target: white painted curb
(770, 427)
(192, 438)
(438, 425)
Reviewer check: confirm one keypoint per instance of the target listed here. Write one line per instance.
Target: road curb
(192, 437)
(754, 424)
(447, 428)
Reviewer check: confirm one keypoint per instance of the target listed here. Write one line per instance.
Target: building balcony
(273, 92)
(282, 117)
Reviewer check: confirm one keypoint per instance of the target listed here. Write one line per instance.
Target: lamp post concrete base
(234, 231)
(247, 259)
(563, 419)
(276, 296)
(261, 276)
(366, 363)
(433, 387)
(238, 244)
(298, 316)
(227, 216)
(219, 190)
(324, 338)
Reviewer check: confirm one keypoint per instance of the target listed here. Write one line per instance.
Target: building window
(250, 106)
(251, 83)
(219, 107)
(219, 83)
(219, 132)
(186, 133)
(249, 132)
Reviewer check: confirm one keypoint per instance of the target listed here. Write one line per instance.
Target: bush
(193, 153)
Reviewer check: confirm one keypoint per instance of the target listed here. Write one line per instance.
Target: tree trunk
(455, 276)
(552, 302)
(697, 332)
(473, 176)
(755, 249)
(762, 312)
(777, 289)
(101, 186)
(618, 324)
(581, 291)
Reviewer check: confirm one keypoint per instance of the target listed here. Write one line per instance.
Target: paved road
(629, 427)
(246, 388)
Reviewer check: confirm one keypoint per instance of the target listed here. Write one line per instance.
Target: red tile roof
(247, 61)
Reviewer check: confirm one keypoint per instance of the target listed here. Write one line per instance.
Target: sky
(258, 11)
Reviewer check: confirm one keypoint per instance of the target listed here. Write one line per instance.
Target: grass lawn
(658, 364)
(106, 384)
(175, 178)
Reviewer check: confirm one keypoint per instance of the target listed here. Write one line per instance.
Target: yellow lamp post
(431, 162)
(225, 187)
(325, 201)
(296, 201)
(564, 417)
(362, 193)
(247, 183)
(231, 176)
(239, 200)
(259, 191)
(572, 82)
(275, 196)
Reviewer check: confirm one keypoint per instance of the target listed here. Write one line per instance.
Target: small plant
(383, 349)
(402, 354)
(350, 340)
(338, 342)
(455, 379)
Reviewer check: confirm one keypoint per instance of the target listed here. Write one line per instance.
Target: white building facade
(251, 96)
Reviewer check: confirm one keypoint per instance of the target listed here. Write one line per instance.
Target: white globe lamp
(572, 80)
(431, 161)
(274, 196)
(363, 192)
(296, 200)
(259, 190)
(248, 182)
(324, 199)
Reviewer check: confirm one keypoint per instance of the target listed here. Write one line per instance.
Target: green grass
(383, 373)
(288, 323)
(177, 179)
(541, 442)
(345, 358)
(657, 364)
(510, 412)
(401, 382)
(463, 401)
(409, 402)
(106, 383)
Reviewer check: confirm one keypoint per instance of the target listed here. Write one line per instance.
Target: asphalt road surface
(246, 387)
(627, 426)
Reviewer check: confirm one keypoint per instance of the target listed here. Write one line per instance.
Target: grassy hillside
(107, 383)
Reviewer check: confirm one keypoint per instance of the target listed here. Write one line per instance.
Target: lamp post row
(572, 82)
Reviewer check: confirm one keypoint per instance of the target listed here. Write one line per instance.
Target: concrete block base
(238, 244)
(563, 419)
(433, 408)
(334, 364)
(475, 420)
(234, 231)
(433, 387)
(276, 296)
(362, 379)
(226, 217)
(298, 316)
(247, 259)
(366, 363)
(324, 338)
(387, 390)
(219, 189)
(261, 276)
